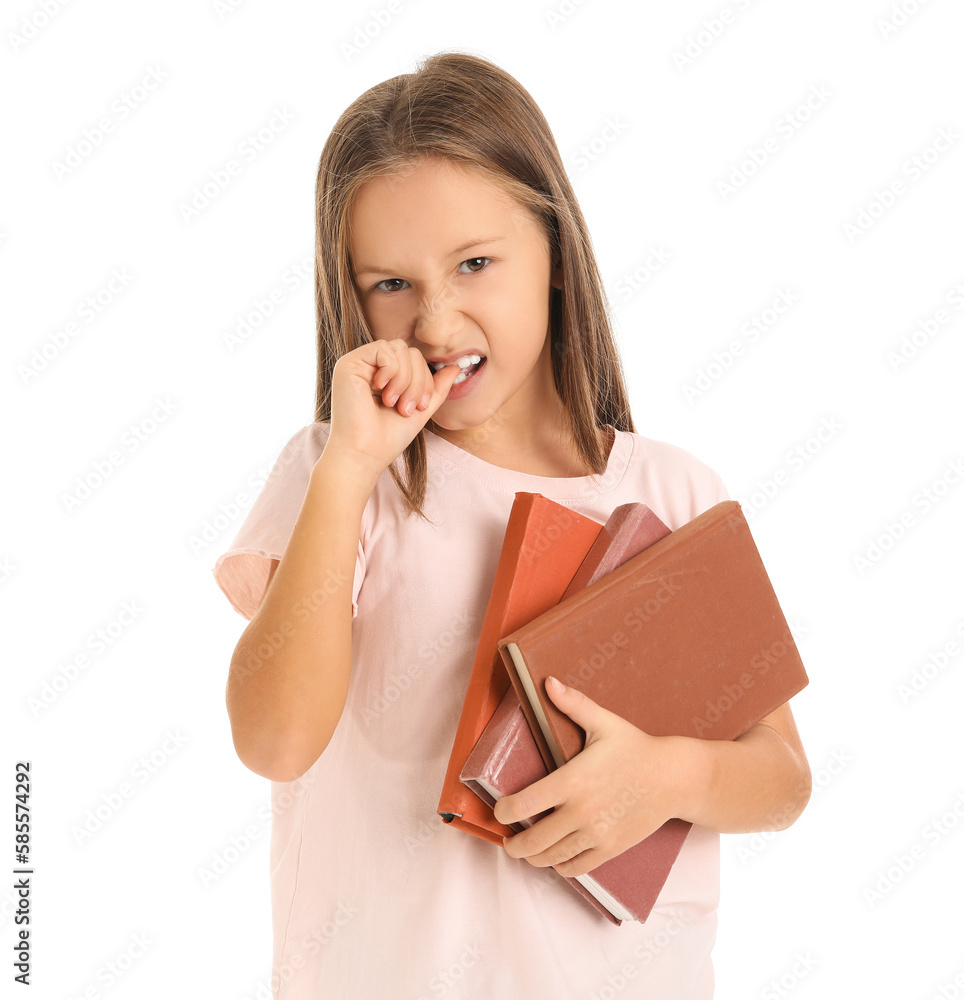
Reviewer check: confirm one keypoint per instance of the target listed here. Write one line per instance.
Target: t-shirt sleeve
(683, 485)
(242, 570)
(715, 490)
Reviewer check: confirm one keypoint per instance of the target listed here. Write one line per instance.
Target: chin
(447, 423)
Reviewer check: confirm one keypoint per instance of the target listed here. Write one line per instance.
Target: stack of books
(678, 632)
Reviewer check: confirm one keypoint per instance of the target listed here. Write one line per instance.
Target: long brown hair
(464, 108)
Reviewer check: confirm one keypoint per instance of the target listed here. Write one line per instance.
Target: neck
(540, 448)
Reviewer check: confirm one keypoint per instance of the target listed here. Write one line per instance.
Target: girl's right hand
(371, 388)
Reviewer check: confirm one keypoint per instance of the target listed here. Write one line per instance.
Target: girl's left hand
(619, 789)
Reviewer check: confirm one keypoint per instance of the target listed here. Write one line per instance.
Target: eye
(476, 264)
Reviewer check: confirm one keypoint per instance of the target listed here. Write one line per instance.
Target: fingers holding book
(618, 790)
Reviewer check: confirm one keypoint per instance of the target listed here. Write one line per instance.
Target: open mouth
(469, 365)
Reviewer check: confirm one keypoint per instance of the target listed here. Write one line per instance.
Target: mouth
(469, 365)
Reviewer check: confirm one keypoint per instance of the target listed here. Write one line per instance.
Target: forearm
(757, 782)
(289, 675)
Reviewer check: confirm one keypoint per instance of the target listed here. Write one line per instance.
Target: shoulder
(305, 446)
(684, 483)
(311, 435)
(670, 456)
(288, 477)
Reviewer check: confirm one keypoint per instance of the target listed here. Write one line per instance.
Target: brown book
(543, 547)
(687, 638)
(630, 528)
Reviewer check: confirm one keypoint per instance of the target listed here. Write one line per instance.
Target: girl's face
(445, 260)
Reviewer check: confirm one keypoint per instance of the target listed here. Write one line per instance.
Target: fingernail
(409, 407)
(557, 684)
(392, 400)
(425, 400)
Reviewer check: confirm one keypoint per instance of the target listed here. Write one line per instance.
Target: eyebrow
(475, 242)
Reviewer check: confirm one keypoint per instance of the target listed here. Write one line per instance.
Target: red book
(508, 759)
(543, 547)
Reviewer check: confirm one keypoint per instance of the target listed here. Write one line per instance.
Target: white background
(829, 442)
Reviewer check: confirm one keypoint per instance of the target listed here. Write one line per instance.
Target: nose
(437, 321)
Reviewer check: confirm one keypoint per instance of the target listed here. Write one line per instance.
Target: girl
(462, 322)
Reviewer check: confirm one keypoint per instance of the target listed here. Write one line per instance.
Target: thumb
(579, 707)
(442, 380)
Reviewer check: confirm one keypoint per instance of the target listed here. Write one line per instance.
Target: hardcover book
(686, 638)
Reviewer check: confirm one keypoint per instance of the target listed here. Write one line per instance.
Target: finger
(588, 715)
(531, 801)
(582, 864)
(428, 386)
(419, 391)
(540, 844)
(384, 361)
(426, 391)
(573, 848)
(401, 373)
(442, 381)
(430, 381)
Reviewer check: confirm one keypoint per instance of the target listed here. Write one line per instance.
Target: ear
(555, 278)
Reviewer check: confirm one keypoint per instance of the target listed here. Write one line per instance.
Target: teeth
(463, 362)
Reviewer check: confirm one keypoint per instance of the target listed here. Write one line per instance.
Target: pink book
(507, 758)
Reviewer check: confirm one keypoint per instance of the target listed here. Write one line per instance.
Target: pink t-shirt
(373, 896)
